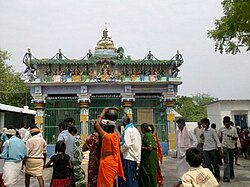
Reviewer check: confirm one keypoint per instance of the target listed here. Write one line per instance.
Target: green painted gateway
(80, 88)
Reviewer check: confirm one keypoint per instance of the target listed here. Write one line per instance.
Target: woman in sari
(148, 166)
(110, 161)
(160, 157)
(93, 144)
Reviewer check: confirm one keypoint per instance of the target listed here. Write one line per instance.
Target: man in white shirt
(184, 140)
(228, 135)
(131, 151)
(211, 144)
(67, 138)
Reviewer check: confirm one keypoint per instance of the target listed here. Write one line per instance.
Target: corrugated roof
(229, 100)
(9, 108)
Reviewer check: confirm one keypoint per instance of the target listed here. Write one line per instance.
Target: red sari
(110, 166)
(160, 158)
(93, 145)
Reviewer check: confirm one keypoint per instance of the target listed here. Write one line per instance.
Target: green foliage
(232, 30)
(193, 108)
(13, 91)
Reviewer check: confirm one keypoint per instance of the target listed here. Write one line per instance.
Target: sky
(162, 26)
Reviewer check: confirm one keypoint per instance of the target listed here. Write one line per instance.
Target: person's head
(199, 124)
(22, 125)
(63, 126)
(108, 126)
(181, 123)
(145, 128)
(226, 121)
(10, 131)
(60, 147)
(125, 120)
(213, 126)
(69, 121)
(72, 131)
(205, 123)
(193, 157)
(34, 130)
(151, 128)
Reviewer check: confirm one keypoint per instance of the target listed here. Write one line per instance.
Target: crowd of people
(119, 155)
(122, 155)
(200, 154)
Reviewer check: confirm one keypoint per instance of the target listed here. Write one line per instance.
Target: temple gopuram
(79, 88)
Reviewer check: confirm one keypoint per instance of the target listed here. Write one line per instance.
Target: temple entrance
(99, 101)
(150, 109)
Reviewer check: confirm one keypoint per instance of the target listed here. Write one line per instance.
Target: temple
(144, 88)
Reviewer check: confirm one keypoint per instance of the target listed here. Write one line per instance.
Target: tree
(13, 91)
(232, 30)
(193, 108)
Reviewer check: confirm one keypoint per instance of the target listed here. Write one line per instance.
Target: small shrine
(79, 88)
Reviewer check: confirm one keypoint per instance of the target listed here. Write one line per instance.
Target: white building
(237, 110)
(11, 115)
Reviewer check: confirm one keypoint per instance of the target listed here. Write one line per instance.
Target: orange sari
(110, 166)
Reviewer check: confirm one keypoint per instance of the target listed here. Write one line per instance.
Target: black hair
(181, 121)
(63, 125)
(226, 119)
(34, 133)
(72, 130)
(213, 125)
(193, 157)
(60, 147)
(69, 119)
(205, 120)
(108, 128)
(22, 125)
(126, 119)
(11, 127)
(146, 126)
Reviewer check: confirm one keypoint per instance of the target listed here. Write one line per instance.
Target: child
(79, 174)
(61, 162)
(197, 175)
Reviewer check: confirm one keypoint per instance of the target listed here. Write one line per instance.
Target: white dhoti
(182, 167)
(184, 140)
(11, 171)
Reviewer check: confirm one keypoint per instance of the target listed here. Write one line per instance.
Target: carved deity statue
(59, 55)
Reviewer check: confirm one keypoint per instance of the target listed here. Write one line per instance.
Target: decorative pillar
(127, 104)
(84, 117)
(169, 104)
(39, 118)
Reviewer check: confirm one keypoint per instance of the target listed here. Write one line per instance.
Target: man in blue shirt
(14, 151)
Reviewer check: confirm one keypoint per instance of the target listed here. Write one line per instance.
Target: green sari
(148, 166)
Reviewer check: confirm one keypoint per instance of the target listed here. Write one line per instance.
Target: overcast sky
(162, 26)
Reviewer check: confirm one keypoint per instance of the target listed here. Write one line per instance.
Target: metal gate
(155, 108)
(58, 108)
(98, 102)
